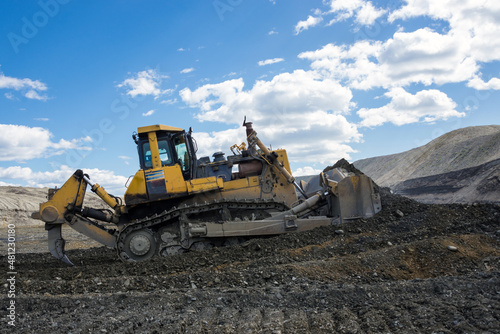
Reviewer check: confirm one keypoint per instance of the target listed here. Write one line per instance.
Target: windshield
(182, 152)
(163, 149)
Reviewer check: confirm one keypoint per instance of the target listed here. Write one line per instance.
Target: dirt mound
(344, 164)
(412, 268)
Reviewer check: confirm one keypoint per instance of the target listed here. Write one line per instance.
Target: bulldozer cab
(160, 146)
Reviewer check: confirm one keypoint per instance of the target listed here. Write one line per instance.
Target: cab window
(182, 153)
(163, 149)
(148, 162)
(165, 156)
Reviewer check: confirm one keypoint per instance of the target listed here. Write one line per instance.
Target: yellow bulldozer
(177, 202)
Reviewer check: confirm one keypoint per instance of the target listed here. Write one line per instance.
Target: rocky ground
(479, 184)
(414, 268)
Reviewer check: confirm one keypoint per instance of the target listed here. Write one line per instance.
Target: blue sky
(323, 79)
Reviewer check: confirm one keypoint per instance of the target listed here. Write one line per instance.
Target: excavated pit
(395, 272)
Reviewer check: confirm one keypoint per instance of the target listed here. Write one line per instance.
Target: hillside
(455, 150)
(474, 184)
(443, 167)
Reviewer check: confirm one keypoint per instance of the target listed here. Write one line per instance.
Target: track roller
(139, 245)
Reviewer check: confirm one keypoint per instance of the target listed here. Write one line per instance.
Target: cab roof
(158, 127)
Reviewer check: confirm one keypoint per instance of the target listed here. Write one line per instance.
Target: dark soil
(475, 184)
(343, 163)
(393, 273)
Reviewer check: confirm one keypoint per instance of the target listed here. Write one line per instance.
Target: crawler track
(172, 216)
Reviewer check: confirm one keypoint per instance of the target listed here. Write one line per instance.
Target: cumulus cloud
(25, 175)
(422, 56)
(31, 89)
(270, 61)
(22, 143)
(169, 101)
(404, 108)
(474, 23)
(144, 83)
(306, 171)
(310, 22)
(480, 84)
(300, 111)
(149, 113)
(187, 70)
(363, 12)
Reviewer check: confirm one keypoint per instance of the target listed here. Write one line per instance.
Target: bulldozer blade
(358, 198)
(56, 243)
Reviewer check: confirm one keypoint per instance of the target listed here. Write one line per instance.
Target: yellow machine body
(160, 181)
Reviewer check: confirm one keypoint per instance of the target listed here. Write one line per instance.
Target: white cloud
(296, 92)
(208, 143)
(125, 159)
(367, 14)
(480, 84)
(10, 96)
(149, 113)
(31, 89)
(41, 119)
(364, 12)
(181, 49)
(106, 178)
(187, 70)
(270, 61)
(310, 22)
(33, 94)
(306, 171)
(425, 106)
(422, 56)
(474, 23)
(144, 83)
(22, 143)
(299, 111)
(169, 101)
(5, 184)
(272, 32)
